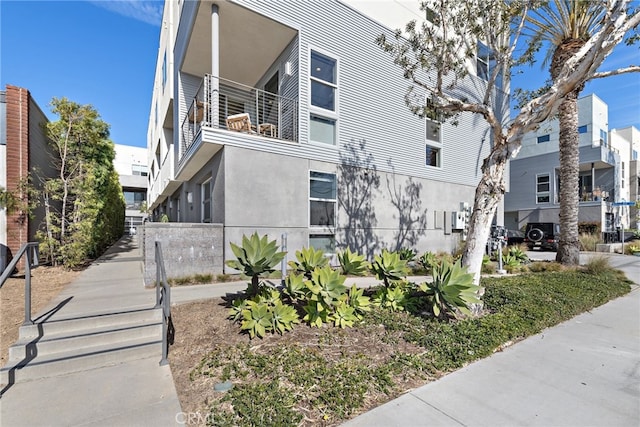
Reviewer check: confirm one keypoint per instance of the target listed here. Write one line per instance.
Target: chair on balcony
(196, 114)
(240, 123)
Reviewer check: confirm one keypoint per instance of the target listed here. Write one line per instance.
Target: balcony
(269, 115)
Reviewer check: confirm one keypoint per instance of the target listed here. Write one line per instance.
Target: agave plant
(308, 259)
(264, 313)
(325, 291)
(256, 256)
(407, 254)
(452, 289)
(389, 267)
(352, 263)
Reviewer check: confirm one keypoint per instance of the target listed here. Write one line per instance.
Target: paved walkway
(583, 372)
(138, 393)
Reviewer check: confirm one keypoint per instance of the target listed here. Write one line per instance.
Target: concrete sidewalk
(583, 372)
(130, 393)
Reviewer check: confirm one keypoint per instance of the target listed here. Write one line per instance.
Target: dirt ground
(203, 326)
(46, 283)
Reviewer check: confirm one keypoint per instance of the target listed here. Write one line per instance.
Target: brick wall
(17, 166)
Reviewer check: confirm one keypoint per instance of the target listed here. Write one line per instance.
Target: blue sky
(100, 53)
(104, 53)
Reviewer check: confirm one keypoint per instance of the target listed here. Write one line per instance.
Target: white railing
(271, 116)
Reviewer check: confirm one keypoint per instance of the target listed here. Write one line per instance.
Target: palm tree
(566, 26)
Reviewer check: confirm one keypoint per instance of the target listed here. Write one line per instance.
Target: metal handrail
(29, 249)
(163, 299)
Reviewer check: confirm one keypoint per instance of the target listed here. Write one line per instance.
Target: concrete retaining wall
(188, 249)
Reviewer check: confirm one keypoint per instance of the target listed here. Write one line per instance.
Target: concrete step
(87, 322)
(81, 342)
(80, 359)
(77, 339)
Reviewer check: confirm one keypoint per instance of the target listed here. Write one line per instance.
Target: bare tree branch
(603, 74)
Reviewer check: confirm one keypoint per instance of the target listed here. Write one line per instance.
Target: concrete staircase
(83, 342)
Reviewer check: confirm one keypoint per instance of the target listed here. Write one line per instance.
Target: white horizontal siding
(371, 97)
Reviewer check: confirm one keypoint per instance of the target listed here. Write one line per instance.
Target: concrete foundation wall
(188, 249)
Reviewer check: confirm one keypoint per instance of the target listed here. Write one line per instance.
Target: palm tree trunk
(569, 245)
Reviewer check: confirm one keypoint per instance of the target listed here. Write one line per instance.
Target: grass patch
(324, 376)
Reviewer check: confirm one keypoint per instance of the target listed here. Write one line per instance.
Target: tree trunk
(569, 245)
(489, 193)
(568, 144)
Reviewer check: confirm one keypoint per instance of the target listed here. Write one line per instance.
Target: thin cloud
(147, 11)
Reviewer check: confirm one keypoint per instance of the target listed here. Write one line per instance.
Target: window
(323, 108)
(486, 63)
(430, 15)
(433, 156)
(622, 175)
(164, 71)
(139, 170)
(134, 199)
(322, 129)
(206, 201)
(322, 199)
(582, 129)
(603, 138)
(543, 138)
(325, 242)
(542, 188)
(634, 155)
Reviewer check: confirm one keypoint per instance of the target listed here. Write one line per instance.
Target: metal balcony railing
(271, 116)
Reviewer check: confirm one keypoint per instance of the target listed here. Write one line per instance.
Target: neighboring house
(605, 164)
(632, 134)
(131, 165)
(23, 149)
(285, 117)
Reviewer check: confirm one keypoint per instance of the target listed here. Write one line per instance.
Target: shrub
(407, 254)
(324, 291)
(308, 260)
(264, 313)
(589, 228)
(397, 297)
(389, 267)
(452, 289)
(588, 242)
(352, 263)
(257, 256)
(540, 266)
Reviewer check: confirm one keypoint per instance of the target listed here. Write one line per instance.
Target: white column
(215, 65)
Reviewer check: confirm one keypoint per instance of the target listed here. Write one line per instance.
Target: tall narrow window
(323, 82)
(542, 188)
(622, 175)
(164, 71)
(486, 63)
(433, 134)
(206, 201)
(603, 138)
(322, 199)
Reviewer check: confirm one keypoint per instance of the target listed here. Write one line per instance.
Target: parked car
(514, 237)
(542, 235)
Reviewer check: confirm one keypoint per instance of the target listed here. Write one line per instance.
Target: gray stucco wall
(269, 193)
(188, 249)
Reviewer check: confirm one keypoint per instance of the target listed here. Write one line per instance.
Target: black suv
(542, 235)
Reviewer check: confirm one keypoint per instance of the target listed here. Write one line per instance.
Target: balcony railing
(270, 115)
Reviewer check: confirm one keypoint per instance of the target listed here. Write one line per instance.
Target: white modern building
(286, 118)
(606, 163)
(131, 165)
